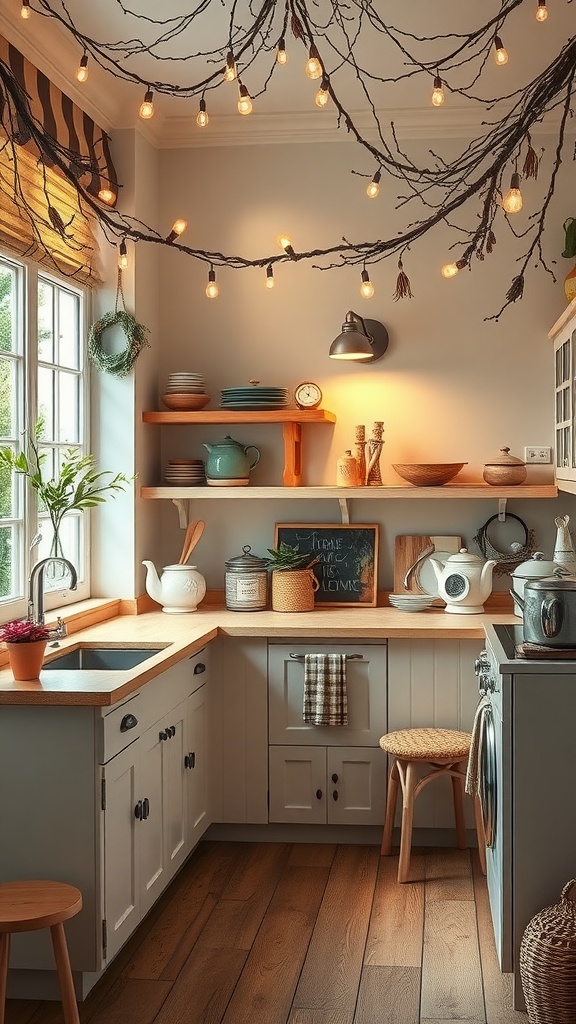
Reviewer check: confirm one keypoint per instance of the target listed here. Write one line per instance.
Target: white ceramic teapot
(179, 589)
(464, 581)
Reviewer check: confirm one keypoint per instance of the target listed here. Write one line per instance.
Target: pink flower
(22, 631)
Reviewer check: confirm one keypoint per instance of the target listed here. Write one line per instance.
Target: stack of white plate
(411, 602)
(186, 391)
(185, 472)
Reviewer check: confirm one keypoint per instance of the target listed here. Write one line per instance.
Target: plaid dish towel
(325, 696)
(472, 771)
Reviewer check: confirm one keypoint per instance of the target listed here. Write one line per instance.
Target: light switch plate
(537, 453)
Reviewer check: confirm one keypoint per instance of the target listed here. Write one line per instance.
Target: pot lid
(559, 581)
(465, 557)
(246, 561)
(535, 567)
(505, 459)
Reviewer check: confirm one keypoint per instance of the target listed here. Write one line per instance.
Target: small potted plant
(293, 582)
(25, 642)
(569, 254)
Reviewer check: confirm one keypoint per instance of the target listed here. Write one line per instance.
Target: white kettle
(464, 581)
(179, 589)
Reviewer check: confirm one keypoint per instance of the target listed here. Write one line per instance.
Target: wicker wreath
(119, 365)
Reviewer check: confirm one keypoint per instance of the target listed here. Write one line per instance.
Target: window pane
(69, 404)
(69, 333)
(7, 582)
(45, 321)
(7, 397)
(46, 385)
(70, 545)
(7, 510)
(7, 309)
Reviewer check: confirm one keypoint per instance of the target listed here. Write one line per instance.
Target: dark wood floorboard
(280, 933)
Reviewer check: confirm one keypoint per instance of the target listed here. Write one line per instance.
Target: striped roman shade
(41, 214)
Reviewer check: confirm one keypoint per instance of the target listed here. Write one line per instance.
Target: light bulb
(373, 188)
(323, 95)
(449, 270)
(281, 55)
(438, 92)
(313, 64)
(147, 106)
(212, 287)
(285, 242)
(25, 10)
(541, 11)
(230, 69)
(244, 101)
(366, 288)
(270, 282)
(178, 227)
(82, 69)
(500, 52)
(122, 255)
(202, 118)
(512, 201)
(106, 195)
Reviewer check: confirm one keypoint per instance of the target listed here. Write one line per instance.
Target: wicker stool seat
(30, 905)
(442, 752)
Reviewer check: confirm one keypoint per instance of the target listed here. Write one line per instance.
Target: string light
(244, 101)
(323, 94)
(82, 69)
(212, 290)
(373, 189)
(230, 69)
(451, 269)
(366, 288)
(541, 11)
(500, 52)
(285, 242)
(147, 106)
(202, 118)
(313, 64)
(270, 282)
(281, 55)
(122, 255)
(178, 228)
(106, 195)
(25, 10)
(438, 92)
(512, 201)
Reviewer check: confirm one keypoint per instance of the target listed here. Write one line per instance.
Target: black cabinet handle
(190, 760)
(138, 811)
(318, 794)
(200, 667)
(163, 735)
(334, 777)
(335, 794)
(172, 730)
(145, 808)
(128, 722)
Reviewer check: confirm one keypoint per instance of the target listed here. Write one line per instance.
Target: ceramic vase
(26, 659)
(570, 284)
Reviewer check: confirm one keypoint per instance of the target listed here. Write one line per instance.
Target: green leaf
(570, 238)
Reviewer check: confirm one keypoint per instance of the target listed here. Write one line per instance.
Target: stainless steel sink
(101, 658)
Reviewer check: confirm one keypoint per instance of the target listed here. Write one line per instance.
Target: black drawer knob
(128, 722)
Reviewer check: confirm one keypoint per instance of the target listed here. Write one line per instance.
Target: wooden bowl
(428, 474)
(185, 403)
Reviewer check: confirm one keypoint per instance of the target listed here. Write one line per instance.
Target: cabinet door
(195, 767)
(356, 785)
(120, 869)
(174, 787)
(366, 672)
(150, 842)
(564, 394)
(298, 784)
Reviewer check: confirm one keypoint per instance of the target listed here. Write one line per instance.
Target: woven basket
(548, 963)
(293, 590)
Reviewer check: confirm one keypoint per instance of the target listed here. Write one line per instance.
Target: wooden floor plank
(497, 986)
(259, 873)
(19, 1011)
(451, 981)
(313, 855)
(133, 1002)
(397, 920)
(448, 874)
(333, 966)
(389, 995)
(203, 988)
(304, 1016)
(266, 987)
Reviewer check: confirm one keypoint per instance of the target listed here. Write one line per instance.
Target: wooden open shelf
(447, 491)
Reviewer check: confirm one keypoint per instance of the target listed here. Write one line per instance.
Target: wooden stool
(444, 752)
(27, 906)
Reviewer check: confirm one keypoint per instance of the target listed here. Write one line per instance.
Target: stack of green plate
(254, 397)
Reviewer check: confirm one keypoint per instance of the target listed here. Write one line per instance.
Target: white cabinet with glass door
(563, 335)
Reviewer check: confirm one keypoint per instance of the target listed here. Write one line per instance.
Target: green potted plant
(25, 642)
(293, 582)
(570, 254)
(78, 486)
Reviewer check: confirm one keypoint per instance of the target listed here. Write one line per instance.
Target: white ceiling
(286, 110)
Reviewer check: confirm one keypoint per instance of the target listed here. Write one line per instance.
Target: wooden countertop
(183, 635)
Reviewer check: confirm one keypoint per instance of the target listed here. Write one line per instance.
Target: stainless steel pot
(549, 608)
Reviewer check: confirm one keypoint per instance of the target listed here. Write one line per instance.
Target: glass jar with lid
(246, 582)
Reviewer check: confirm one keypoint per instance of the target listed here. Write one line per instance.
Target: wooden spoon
(187, 539)
(196, 534)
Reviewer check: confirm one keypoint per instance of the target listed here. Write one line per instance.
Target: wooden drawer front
(120, 728)
(173, 686)
(366, 689)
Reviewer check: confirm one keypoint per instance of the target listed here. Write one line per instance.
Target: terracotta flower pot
(26, 659)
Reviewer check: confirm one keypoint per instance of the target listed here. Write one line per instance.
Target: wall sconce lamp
(361, 341)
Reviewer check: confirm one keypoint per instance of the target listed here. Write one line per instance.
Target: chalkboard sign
(348, 554)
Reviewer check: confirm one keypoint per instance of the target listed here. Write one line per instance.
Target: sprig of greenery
(570, 238)
(288, 556)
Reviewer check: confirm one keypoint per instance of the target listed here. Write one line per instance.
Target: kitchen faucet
(36, 594)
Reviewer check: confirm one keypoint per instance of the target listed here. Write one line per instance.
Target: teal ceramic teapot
(228, 462)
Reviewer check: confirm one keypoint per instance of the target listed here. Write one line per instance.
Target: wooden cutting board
(406, 551)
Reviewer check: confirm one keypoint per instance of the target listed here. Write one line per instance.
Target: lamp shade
(361, 341)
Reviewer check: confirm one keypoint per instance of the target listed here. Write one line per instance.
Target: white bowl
(411, 602)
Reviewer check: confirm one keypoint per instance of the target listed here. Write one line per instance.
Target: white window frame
(25, 355)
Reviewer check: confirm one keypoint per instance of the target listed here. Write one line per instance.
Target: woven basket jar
(293, 590)
(548, 963)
